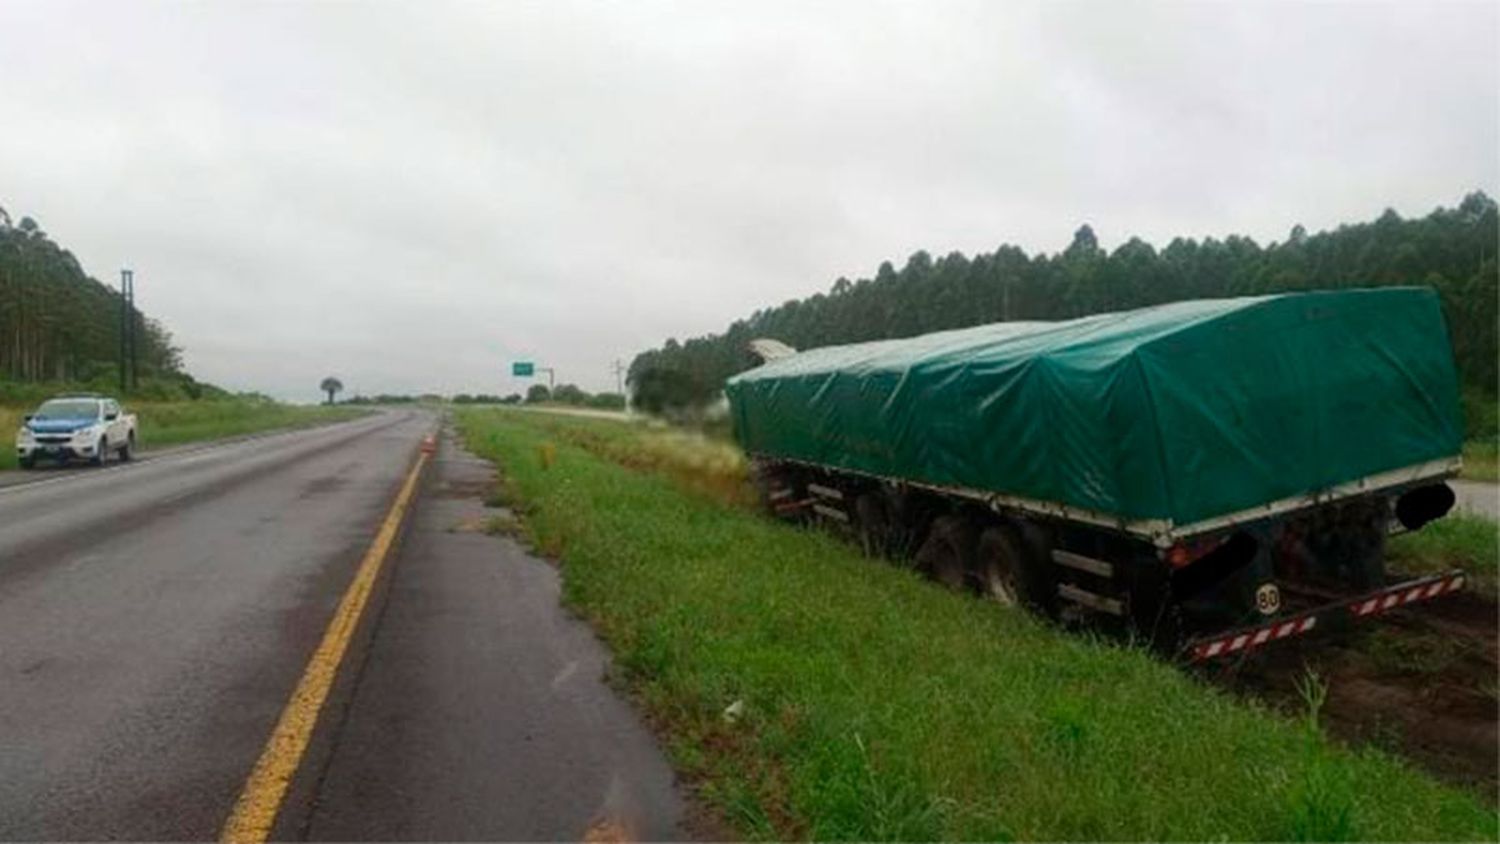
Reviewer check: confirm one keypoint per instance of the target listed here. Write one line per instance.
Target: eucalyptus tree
(1452, 250)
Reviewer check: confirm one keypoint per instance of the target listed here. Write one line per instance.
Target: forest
(58, 324)
(1451, 249)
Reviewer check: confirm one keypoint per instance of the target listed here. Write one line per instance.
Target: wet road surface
(482, 711)
(154, 619)
(1481, 498)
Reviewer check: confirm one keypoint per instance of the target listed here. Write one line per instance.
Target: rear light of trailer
(1187, 551)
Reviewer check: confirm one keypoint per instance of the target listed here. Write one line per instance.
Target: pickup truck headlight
(86, 435)
(23, 436)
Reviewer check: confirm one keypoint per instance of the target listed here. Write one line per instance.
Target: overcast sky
(412, 195)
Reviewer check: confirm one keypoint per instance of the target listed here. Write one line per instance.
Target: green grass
(1458, 540)
(1481, 461)
(878, 706)
(1482, 423)
(179, 422)
(173, 423)
(696, 461)
(1395, 651)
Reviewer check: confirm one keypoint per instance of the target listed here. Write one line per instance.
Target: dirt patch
(1420, 684)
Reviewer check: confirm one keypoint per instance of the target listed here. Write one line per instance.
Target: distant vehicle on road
(81, 427)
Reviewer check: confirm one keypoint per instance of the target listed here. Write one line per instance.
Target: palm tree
(330, 386)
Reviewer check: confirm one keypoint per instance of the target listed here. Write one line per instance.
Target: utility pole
(135, 372)
(619, 377)
(127, 345)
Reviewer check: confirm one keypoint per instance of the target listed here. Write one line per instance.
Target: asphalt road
(154, 619)
(481, 711)
(1480, 498)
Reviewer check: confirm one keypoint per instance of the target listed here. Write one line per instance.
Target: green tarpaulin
(1181, 412)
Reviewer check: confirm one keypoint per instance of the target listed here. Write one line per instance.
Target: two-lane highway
(153, 620)
(162, 623)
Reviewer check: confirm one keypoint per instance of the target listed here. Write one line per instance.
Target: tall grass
(695, 460)
(815, 693)
(1458, 540)
(1482, 460)
(1482, 426)
(10, 423)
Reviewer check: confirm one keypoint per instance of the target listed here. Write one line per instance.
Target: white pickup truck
(80, 427)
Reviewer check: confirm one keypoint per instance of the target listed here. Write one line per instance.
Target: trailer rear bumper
(1234, 642)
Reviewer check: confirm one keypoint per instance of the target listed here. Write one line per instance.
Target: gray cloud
(412, 195)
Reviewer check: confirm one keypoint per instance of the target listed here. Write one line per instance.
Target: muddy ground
(1420, 683)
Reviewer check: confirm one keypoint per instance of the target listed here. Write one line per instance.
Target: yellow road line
(255, 810)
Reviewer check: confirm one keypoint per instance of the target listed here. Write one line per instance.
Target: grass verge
(815, 693)
(1481, 461)
(173, 423)
(1458, 540)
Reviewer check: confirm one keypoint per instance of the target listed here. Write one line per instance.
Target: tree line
(569, 394)
(59, 324)
(1452, 250)
(572, 394)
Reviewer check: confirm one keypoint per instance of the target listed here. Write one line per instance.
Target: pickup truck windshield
(68, 409)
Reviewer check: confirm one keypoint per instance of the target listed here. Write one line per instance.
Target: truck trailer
(1214, 474)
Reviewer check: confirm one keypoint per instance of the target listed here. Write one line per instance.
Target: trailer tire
(1365, 564)
(873, 523)
(768, 480)
(947, 555)
(1009, 572)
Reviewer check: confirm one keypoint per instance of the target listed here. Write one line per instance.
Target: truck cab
(76, 427)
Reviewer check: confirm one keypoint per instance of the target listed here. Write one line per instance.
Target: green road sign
(523, 369)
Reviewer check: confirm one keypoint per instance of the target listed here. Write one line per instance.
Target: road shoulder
(482, 711)
(1480, 498)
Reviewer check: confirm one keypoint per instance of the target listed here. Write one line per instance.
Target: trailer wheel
(948, 554)
(1009, 572)
(1001, 562)
(1365, 561)
(779, 488)
(873, 523)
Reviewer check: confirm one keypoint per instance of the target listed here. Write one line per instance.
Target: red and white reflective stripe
(1402, 595)
(1386, 599)
(1250, 639)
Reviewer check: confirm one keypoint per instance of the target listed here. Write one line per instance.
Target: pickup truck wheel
(26, 462)
(127, 451)
(948, 554)
(101, 451)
